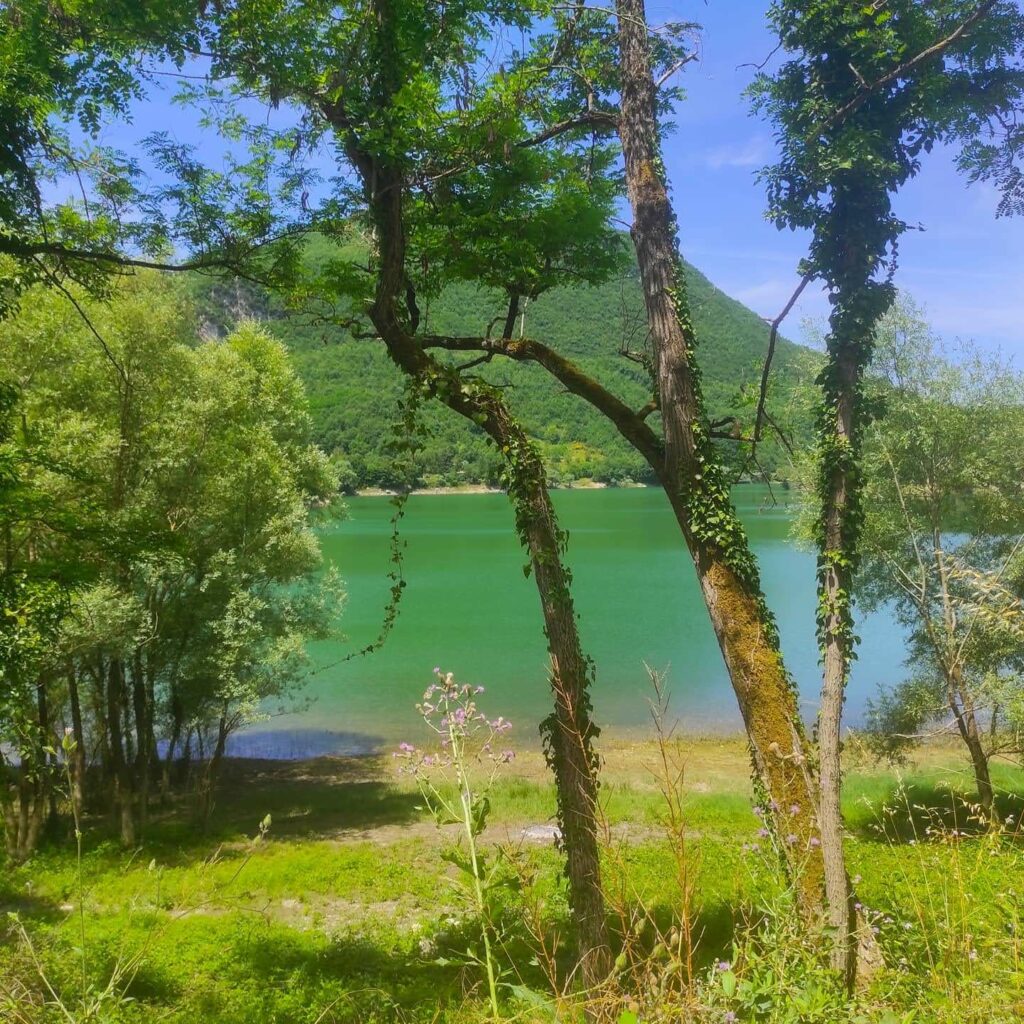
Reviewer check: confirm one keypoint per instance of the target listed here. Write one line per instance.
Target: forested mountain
(354, 390)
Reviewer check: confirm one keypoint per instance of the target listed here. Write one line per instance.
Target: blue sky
(966, 268)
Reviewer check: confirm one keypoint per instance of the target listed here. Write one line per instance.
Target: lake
(469, 608)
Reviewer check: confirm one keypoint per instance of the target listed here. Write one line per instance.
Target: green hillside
(354, 389)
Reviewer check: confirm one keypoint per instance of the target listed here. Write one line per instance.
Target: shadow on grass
(925, 810)
(229, 968)
(28, 905)
(321, 798)
(267, 972)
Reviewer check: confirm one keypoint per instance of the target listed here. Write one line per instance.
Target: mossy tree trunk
(569, 732)
(858, 302)
(835, 630)
(697, 488)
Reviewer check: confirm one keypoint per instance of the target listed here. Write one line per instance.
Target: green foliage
(943, 531)
(354, 390)
(168, 494)
(856, 104)
(67, 71)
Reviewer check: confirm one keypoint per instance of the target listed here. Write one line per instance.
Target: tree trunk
(982, 776)
(569, 731)
(697, 488)
(78, 756)
(143, 763)
(47, 759)
(122, 803)
(835, 630)
(23, 804)
(177, 716)
(208, 778)
(967, 724)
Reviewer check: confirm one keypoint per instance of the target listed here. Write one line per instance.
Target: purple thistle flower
(814, 841)
(791, 839)
(794, 808)
(723, 965)
(763, 833)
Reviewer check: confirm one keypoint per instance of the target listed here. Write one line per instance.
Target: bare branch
(773, 338)
(682, 62)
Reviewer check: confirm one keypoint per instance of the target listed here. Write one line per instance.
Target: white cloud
(752, 153)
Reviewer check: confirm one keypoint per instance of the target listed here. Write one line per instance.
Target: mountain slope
(354, 390)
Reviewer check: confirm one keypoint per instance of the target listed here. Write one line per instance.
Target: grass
(346, 912)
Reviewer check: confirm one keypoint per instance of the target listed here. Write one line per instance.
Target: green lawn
(345, 912)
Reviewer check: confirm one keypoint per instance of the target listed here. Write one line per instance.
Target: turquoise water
(468, 608)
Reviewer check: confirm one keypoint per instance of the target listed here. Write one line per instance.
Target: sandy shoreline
(591, 485)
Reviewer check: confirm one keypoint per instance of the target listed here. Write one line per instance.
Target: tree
(682, 455)
(864, 92)
(392, 90)
(32, 604)
(172, 487)
(70, 68)
(944, 539)
(685, 459)
(66, 68)
(695, 482)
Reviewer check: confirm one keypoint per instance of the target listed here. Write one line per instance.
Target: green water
(469, 608)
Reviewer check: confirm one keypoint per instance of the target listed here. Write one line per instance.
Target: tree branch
(682, 62)
(773, 337)
(630, 424)
(33, 250)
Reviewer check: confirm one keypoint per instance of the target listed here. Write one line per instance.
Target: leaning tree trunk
(569, 732)
(982, 775)
(967, 724)
(698, 490)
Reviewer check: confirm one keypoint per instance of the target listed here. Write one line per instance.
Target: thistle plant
(455, 784)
